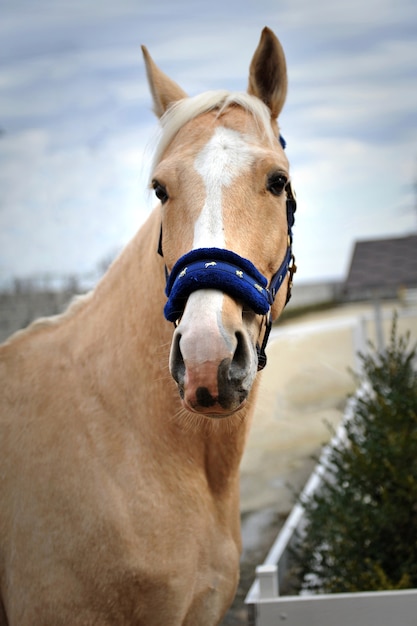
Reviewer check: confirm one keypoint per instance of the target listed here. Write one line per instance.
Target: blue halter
(216, 268)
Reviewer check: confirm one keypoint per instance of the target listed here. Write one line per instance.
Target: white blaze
(203, 337)
(221, 160)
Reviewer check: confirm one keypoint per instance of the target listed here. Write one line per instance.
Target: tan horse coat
(117, 507)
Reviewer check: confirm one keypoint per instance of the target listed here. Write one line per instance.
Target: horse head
(222, 180)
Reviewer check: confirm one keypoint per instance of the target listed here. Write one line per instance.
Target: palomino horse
(119, 484)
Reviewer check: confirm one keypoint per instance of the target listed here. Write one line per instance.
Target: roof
(382, 265)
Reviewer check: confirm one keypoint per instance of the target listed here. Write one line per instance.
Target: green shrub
(362, 523)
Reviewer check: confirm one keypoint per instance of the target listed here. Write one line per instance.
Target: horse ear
(164, 90)
(268, 73)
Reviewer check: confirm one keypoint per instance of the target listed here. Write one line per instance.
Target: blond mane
(187, 109)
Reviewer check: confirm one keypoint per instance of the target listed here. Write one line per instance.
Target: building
(382, 268)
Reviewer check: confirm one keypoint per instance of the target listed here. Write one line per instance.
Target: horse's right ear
(164, 90)
(268, 73)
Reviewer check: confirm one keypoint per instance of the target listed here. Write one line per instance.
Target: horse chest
(184, 564)
(119, 559)
(166, 568)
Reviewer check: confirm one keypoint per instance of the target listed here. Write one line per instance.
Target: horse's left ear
(164, 90)
(268, 73)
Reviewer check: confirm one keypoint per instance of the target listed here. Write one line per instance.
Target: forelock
(187, 109)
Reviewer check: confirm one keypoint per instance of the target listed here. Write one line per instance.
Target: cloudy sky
(77, 131)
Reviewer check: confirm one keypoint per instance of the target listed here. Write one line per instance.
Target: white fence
(379, 608)
(266, 604)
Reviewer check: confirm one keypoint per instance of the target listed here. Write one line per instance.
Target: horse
(124, 419)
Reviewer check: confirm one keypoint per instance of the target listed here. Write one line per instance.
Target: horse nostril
(176, 363)
(239, 364)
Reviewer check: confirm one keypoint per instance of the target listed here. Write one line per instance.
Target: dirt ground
(304, 389)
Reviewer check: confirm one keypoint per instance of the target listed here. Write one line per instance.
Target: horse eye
(160, 191)
(276, 183)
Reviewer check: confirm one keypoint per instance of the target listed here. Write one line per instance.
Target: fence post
(378, 324)
(359, 342)
(267, 576)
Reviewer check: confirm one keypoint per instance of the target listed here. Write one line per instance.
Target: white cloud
(64, 222)
(76, 111)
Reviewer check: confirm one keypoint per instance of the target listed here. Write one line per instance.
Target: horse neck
(124, 336)
(126, 343)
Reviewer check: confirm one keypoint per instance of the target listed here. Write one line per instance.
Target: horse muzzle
(213, 359)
